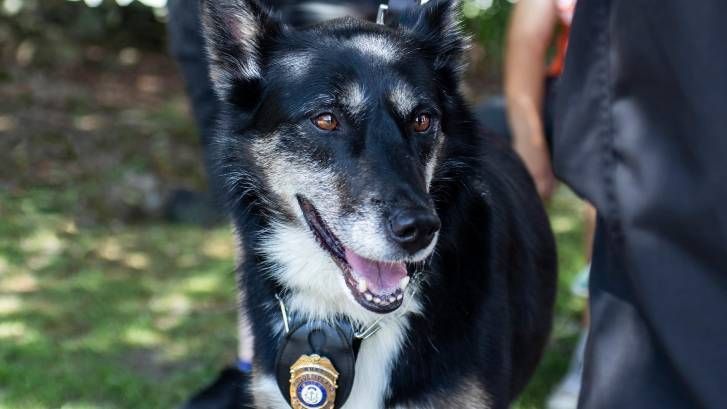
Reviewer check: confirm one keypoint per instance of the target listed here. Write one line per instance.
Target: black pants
(186, 45)
(641, 132)
(492, 113)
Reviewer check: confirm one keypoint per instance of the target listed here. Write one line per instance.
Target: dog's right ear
(438, 27)
(235, 32)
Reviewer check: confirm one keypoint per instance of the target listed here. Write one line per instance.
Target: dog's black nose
(413, 229)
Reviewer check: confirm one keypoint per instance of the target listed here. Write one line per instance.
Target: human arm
(529, 34)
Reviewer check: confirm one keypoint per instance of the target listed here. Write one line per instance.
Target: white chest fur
(374, 365)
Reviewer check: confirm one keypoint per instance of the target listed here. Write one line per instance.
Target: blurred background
(108, 300)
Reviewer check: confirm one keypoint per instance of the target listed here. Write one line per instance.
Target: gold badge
(313, 383)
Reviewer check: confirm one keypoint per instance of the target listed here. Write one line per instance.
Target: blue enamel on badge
(312, 394)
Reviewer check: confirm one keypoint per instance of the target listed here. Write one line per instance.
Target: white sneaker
(565, 396)
(579, 288)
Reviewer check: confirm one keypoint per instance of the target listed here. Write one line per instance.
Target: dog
(362, 190)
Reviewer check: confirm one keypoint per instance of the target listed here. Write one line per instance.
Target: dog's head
(344, 121)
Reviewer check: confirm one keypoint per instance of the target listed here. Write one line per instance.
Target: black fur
(489, 285)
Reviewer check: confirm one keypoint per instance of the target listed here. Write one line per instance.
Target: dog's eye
(422, 122)
(326, 122)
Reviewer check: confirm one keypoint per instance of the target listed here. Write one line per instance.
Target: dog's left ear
(437, 25)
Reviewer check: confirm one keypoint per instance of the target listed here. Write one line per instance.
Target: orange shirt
(565, 9)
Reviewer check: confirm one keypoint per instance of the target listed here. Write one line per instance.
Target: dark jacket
(641, 132)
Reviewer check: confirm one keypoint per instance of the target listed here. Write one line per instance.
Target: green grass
(136, 316)
(120, 317)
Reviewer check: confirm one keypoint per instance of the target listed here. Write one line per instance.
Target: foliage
(62, 28)
(55, 32)
(488, 25)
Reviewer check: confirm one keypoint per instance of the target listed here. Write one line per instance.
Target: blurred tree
(487, 20)
(55, 30)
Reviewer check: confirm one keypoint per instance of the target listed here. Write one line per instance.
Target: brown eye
(422, 122)
(326, 122)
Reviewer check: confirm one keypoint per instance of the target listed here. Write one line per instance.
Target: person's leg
(492, 116)
(589, 231)
(187, 47)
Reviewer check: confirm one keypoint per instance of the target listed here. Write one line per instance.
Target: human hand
(537, 161)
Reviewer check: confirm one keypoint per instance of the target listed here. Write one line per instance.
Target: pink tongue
(381, 277)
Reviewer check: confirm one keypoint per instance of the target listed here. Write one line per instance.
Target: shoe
(579, 288)
(565, 395)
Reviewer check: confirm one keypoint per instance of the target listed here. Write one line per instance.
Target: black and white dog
(363, 192)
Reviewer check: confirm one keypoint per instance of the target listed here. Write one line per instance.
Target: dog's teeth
(361, 286)
(392, 299)
(400, 297)
(368, 296)
(404, 282)
(377, 300)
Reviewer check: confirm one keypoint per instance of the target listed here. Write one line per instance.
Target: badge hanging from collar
(313, 383)
(316, 363)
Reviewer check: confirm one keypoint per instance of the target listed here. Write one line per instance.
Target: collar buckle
(381, 15)
(394, 7)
